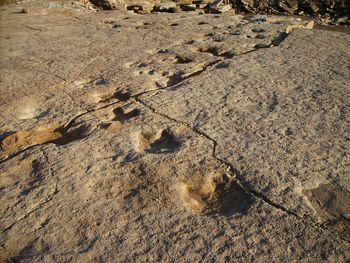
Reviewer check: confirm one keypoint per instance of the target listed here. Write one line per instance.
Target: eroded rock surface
(172, 137)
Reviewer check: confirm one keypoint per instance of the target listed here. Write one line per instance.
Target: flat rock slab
(172, 137)
(280, 117)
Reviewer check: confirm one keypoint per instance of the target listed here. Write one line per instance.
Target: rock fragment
(248, 5)
(308, 25)
(287, 7)
(165, 7)
(109, 4)
(140, 6)
(183, 2)
(218, 7)
(190, 7)
(313, 6)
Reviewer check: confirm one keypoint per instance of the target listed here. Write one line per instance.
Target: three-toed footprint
(162, 141)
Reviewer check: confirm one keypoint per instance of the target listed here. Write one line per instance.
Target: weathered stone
(308, 25)
(313, 6)
(109, 4)
(285, 7)
(248, 5)
(218, 9)
(171, 137)
(183, 2)
(344, 19)
(201, 6)
(261, 115)
(165, 7)
(293, 4)
(140, 6)
(191, 7)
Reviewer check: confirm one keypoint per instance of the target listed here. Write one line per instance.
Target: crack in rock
(237, 174)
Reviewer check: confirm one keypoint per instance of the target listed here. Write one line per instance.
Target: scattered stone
(140, 6)
(183, 2)
(165, 7)
(225, 8)
(308, 25)
(285, 7)
(293, 4)
(344, 19)
(248, 5)
(190, 7)
(324, 21)
(109, 4)
(313, 6)
(219, 9)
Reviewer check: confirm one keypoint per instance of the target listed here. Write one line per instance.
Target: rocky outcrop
(172, 137)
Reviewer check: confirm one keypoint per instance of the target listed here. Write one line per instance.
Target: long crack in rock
(194, 198)
(263, 112)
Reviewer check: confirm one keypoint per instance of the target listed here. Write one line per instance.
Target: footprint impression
(162, 141)
(332, 206)
(215, 193)
(121, 115)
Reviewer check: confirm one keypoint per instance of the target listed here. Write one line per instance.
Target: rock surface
(173, 137)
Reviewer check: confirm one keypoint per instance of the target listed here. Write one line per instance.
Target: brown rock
(285, 7)
(165, 7)
(155, 110)
(109, 4)
(191, 7)
(313, 6)
(183, 2)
